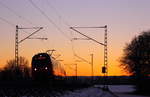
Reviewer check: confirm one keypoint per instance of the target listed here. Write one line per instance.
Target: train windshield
(40, 61)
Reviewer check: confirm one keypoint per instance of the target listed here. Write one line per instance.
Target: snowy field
(88, 92)
(124, 90)
(36, 92)
(95, 91)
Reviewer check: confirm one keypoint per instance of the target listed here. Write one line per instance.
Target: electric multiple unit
(42, 67)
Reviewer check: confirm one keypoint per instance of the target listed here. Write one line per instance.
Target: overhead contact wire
(47, 17)
(15, 13)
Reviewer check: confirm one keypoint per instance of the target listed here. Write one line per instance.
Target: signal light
(46, 68)
(35, 69)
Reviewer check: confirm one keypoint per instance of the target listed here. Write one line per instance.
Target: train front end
(42, 68)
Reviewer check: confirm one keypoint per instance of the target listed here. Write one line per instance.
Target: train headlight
(35, 69)
(46, 68)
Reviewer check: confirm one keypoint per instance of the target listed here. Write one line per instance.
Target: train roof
(40, 55)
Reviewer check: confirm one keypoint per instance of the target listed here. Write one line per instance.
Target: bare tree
(136, 59)
(11, 71)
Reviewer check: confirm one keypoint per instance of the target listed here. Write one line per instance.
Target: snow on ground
(124, 90)
(95, 91)
(121, 88)
(88, 92)
(47, 92)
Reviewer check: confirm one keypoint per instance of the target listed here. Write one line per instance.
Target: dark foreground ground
(37, 88)
(69, 87)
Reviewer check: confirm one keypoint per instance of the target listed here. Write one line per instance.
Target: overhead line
(51, 21)
(30, 35)
(15, 13)
(82, 59)
(92, 27)
(8, 22)
(87, 36)
(57, 13)
(64, 22)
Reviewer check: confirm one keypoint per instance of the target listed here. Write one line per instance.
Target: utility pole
(92, 71)
(16, 48)
(17, 41)
(76, 69)
(91, 63)
(104, 68)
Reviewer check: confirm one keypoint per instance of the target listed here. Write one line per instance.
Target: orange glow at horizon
(84, 69)
(125, 19)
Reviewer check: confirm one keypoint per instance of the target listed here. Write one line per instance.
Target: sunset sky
(125, 20)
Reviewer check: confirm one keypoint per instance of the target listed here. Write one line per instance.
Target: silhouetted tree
(11, 71)
(136, 60)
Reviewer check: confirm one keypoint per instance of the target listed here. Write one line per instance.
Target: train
(42, 67)
(46, 67)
